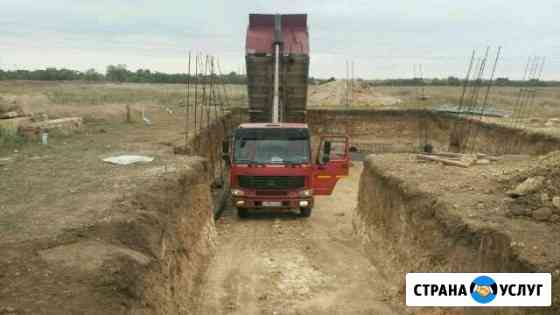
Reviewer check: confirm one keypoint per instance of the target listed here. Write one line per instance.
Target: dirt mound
(336, 93)
(535, 190)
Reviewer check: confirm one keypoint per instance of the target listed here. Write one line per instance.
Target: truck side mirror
(225, 151)
(326, 152)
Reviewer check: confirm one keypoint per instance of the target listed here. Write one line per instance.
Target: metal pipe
(276, 101)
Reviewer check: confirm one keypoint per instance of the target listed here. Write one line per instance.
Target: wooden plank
(487, 157)
(9, 115)
(442, 160)
(447, 154)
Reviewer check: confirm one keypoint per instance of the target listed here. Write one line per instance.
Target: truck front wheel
(242, 212)
(305, 212)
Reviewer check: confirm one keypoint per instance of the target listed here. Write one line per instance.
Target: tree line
(114, 73)
(120, 73)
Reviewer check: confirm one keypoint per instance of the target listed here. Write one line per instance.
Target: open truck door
(333, 163)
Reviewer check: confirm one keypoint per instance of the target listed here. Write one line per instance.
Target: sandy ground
(53, 196)
(278, 263)
(335, 94)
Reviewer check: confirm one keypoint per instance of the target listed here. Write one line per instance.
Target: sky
(384, 39)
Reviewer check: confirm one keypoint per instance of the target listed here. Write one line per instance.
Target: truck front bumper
(268, 203)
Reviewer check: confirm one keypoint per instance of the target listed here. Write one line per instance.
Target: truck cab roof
(273, 125)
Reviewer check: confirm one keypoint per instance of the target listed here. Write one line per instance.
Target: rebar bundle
(525, 98)
(207, 101)
(464, 132)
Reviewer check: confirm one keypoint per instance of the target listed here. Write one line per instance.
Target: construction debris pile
(10, 121)
(30, 125)
(535, 192)
(457, 159)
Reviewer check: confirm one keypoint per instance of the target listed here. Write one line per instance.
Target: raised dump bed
(294, 66)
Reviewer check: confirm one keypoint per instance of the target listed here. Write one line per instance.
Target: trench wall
(407, 230)
(379, 131)
(413, 231)
(171, 220)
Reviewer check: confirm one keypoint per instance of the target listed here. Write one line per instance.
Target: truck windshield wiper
(296, 162)
(247, 161)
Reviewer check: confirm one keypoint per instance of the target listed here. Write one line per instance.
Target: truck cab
(272, 165)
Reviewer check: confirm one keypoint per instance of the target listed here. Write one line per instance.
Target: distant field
(109, 100)
(99, 100)
(546, 103)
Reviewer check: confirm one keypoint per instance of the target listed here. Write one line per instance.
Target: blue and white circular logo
(484, 289)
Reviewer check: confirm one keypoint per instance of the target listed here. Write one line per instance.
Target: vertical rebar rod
(203, 87)
(491, 81)
(474, 100)
(196, 95)
(517, 104)
(485, 100)
(207, 91)
(525, 98)
(352, 86)
(510, 143)
(224, 88)
(466, 82)
(187, 103)
(538, 76)
(347, 85)
(223, 98)
(455, 138)
(535, 75)
(214, 83)
(422, 81)
(478, 83)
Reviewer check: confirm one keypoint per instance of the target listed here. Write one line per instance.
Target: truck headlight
(237, 192)
(306, 193)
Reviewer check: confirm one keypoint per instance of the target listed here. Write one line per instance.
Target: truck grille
(271, 193)
(271, 182)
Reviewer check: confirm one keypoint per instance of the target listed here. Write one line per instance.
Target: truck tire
(242, 212)
(305, 212)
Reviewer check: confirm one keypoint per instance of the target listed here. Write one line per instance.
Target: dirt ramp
(430, 218)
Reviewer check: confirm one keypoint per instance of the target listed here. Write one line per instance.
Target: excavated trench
(412, 217)
(401, 227)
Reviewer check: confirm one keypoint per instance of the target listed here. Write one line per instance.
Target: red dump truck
(271, 161)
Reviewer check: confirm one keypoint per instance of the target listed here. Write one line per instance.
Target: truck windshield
(272, 146)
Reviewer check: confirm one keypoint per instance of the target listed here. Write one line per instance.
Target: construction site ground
(478, 196)
(47, 189)
(52, 195)
(279, 263)
(270, 263)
